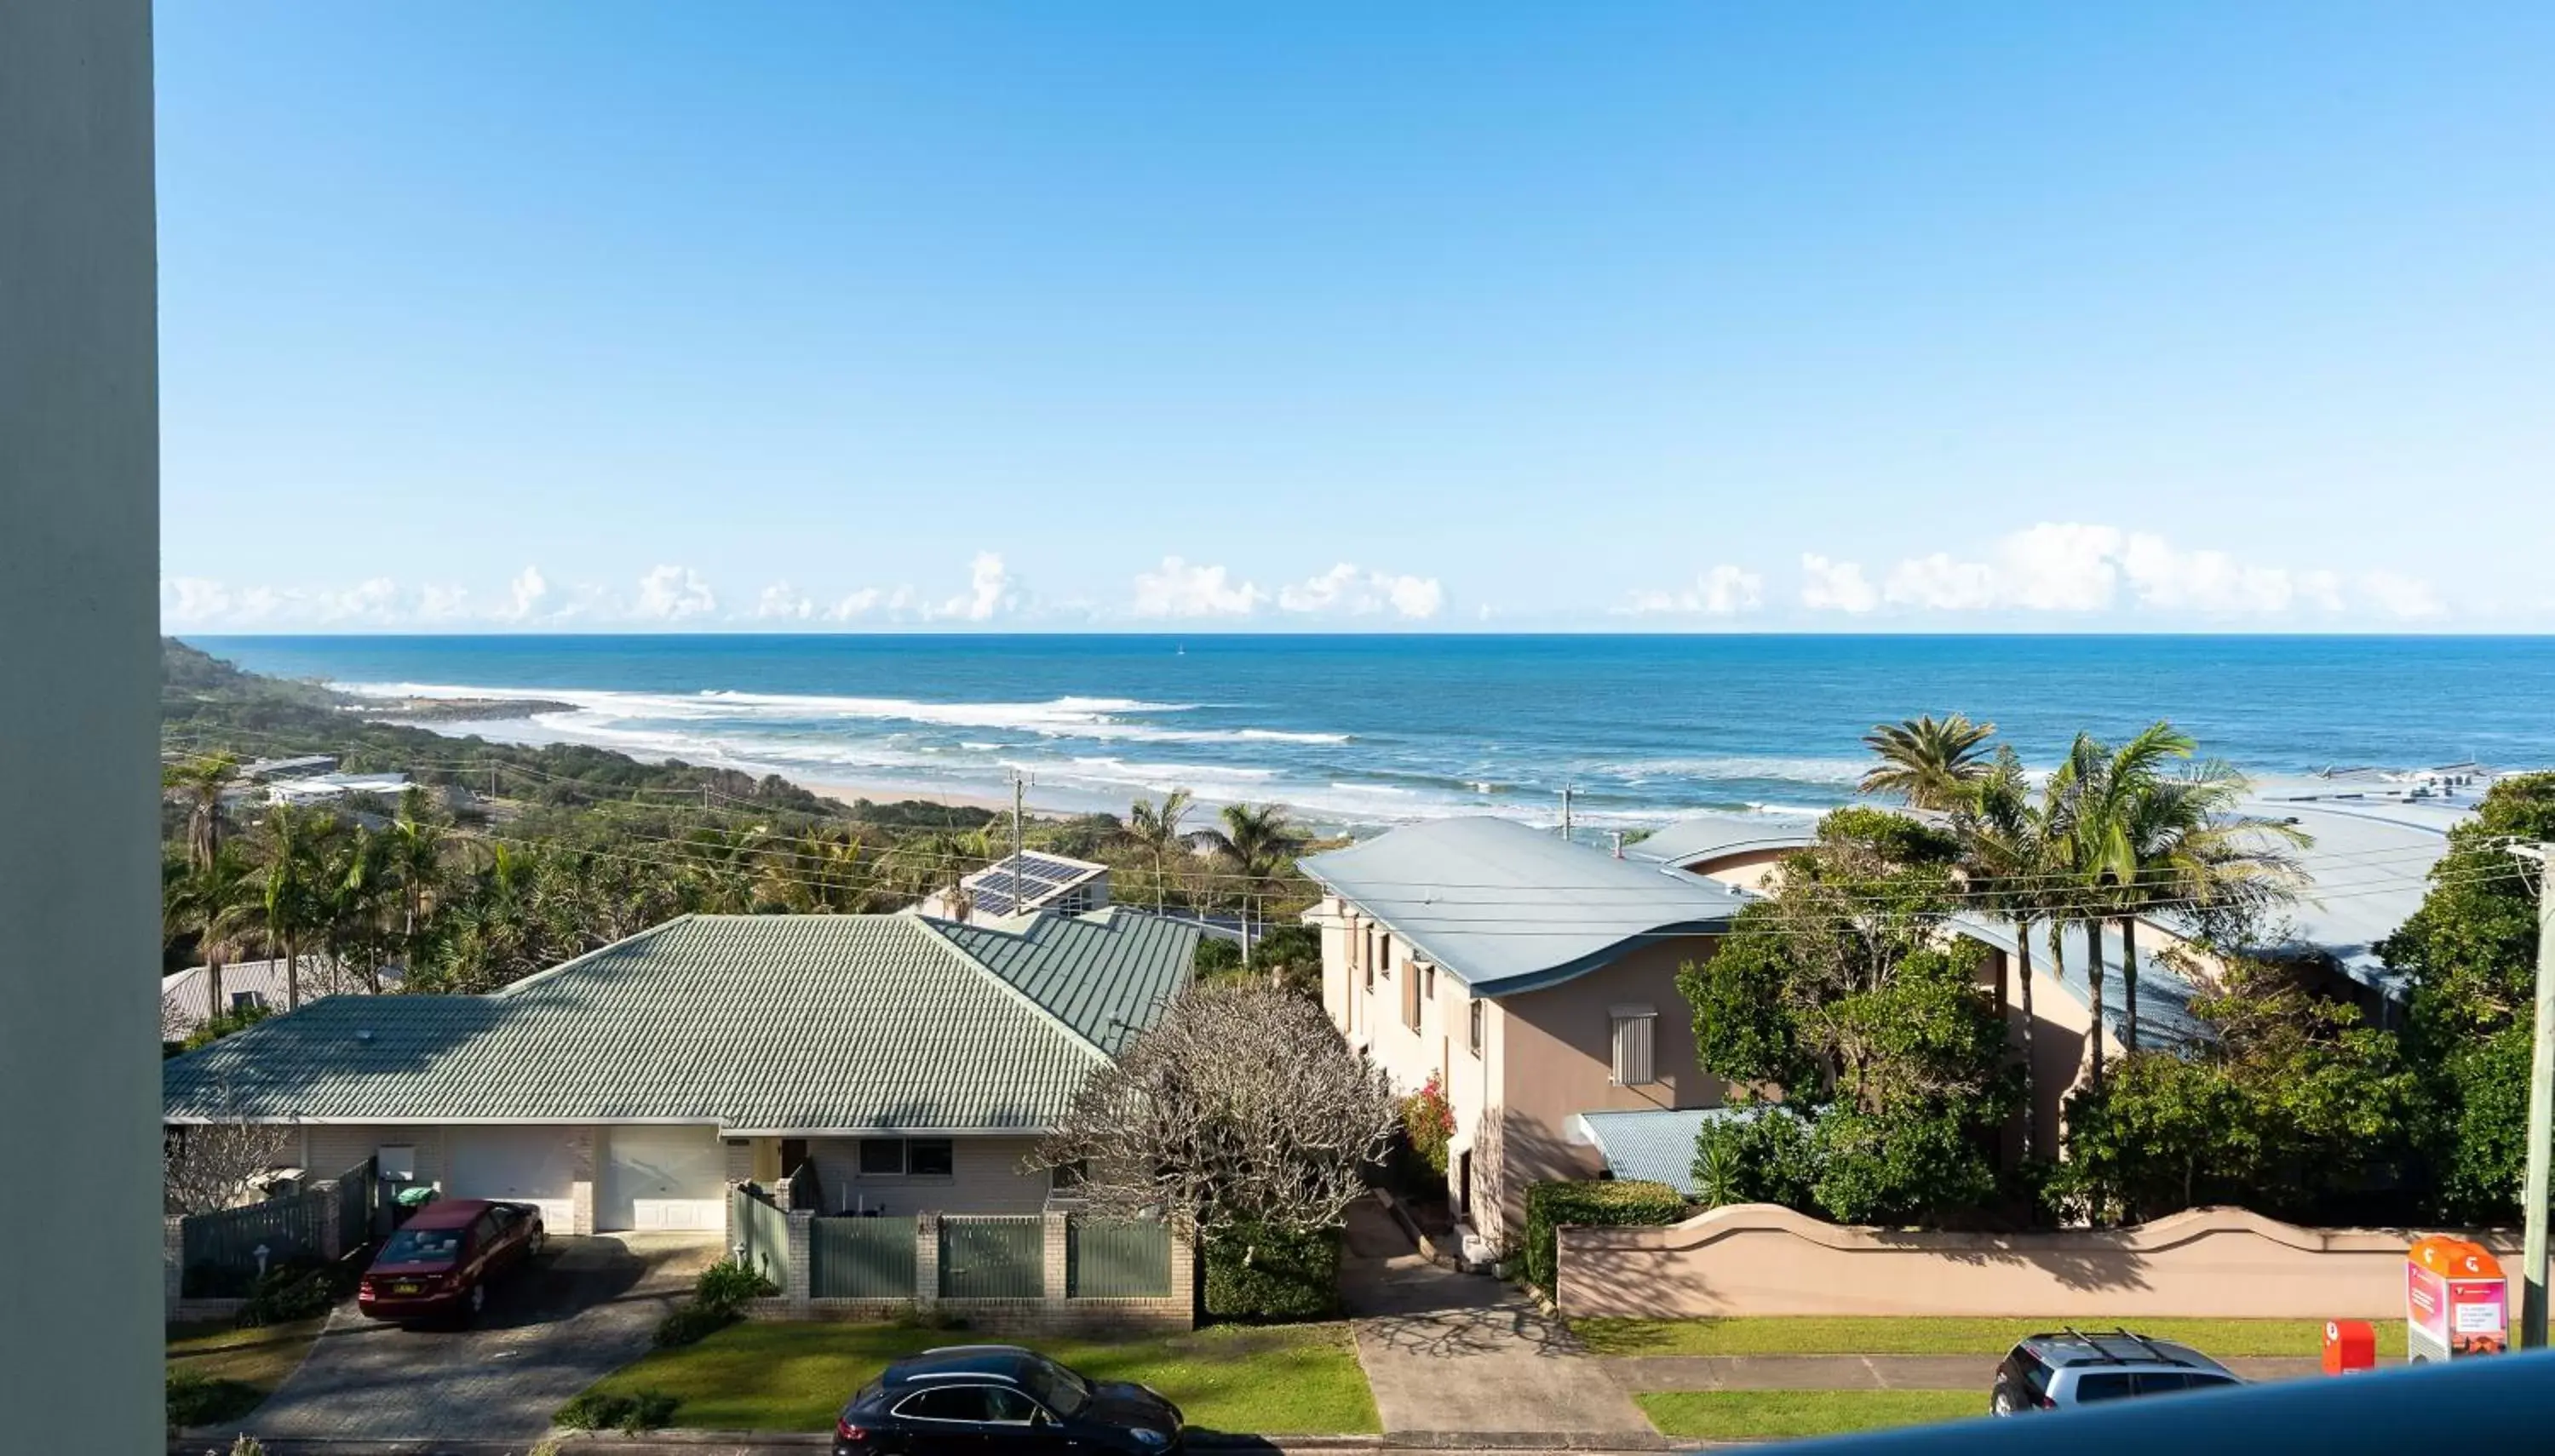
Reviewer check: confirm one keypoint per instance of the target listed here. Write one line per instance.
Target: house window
(1635, 1027)
(243, 999)
(1429, 982)
(1068, 1178)
(1411, 996)
(907, 1157)
(1476, 1016)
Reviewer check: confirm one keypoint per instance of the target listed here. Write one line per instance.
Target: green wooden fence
(1111, 1259)
(861, 1258)
(359, 1203)
(993, 1256)
(217, 1252)
(764, 1230)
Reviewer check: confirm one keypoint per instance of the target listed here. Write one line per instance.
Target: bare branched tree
(210, 1166)
(1241, 1107)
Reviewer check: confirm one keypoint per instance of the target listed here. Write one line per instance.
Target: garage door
(663, 1178)
(519, 1164)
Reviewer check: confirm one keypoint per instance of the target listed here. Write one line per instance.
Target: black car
(998, 1400)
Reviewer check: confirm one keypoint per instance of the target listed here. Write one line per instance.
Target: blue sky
(1680, 316)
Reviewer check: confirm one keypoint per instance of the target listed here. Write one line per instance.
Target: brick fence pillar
(172, 1261)
(581, 1189)
(926, 1258)
(1054, 1255)
(799, 1286)
(1184, 1270)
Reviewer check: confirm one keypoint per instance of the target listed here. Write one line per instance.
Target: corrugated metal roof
(1655, 1146)
(1506, 908)
(754, 1023)
(1699, 837)
(1107, 973)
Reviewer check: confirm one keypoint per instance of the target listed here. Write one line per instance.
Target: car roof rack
(2104, 1355)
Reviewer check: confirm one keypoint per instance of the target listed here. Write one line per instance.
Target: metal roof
(1654, 1146)
(753, 1022)
(1107, 973)
(1027, 880)
(1502, 906)
(182, 993)
(1699, 837)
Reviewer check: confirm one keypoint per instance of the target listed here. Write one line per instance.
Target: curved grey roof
(1502, 906)
(1701, 837)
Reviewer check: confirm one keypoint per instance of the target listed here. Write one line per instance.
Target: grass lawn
(1285, 1379)
(261, 1357)
(1820, 1334)
(1738, 1414)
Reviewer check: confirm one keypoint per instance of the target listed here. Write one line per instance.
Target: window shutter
(1633, 1029)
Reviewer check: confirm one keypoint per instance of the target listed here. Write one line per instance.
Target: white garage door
(519, 1164)
(663, 1178)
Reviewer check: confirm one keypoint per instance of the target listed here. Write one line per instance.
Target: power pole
(2541, 1107)
(1566, 791)
(1019, 795)
(1618, 843)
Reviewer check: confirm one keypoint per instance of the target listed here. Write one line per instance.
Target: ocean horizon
(1358, 730)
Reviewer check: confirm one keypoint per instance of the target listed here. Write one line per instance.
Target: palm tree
(358, 887)
(217, 904)
(1156, 828)
(418, 850)
(1928, 762)
(198, 783)
(2009, 858)
(1259, 843)
(2102, 788)
(2177, 841)
(291, 902)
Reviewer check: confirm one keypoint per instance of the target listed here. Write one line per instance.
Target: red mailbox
(2349, 1345)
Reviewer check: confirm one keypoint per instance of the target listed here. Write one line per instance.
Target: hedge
(1270, 1274)
(1549, 1206)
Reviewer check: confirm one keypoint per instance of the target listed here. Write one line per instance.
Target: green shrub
(1762, 1155)
(598, 1410)
(194, 1400)
(1549, 1206)
(1429, 1123)
(291, 1291)
(728, 1286)
(1215, 958)
(691, 1323)
(1269, 1274)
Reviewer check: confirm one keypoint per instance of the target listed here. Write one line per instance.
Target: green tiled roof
(755, 1023)
(1107, 973)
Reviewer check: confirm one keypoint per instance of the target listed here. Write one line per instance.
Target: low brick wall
(1758, 1258)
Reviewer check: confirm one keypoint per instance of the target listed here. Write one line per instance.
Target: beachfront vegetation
(1844, 997)
(505, 860)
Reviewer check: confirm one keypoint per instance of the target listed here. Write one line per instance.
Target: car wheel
(474, 1304)
(532, 1250)
(2002, 1405)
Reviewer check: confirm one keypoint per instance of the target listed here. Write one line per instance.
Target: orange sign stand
(2456, 1303)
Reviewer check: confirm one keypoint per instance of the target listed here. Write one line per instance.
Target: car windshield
(1057, 1388)
(422, 1246)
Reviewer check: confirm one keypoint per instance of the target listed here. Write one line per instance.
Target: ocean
(1362, 730)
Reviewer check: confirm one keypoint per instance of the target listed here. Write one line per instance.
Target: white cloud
(374, 601)
(1350, 590)
(524, 596)
(857, 604)
(1837, 586)
(442, 603)
(782, 601)
(193, 601)
(1178, 590)
(672, 594)
(2398, 595)
(2078, 568)
(1722, 591)
(990, 592)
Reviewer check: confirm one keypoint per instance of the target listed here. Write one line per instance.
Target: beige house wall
(988, 1177)
(1556, 1058)
(2212, 1262)
(329, 1149)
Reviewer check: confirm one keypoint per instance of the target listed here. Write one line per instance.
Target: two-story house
(1534, 978)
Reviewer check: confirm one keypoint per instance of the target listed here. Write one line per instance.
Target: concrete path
(585, 1308)
(1450, 1353)
(1858, 1371)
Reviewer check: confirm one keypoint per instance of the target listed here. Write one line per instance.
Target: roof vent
(364, 1034)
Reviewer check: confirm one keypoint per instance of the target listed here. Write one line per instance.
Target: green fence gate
(764, 1231)
(993, 1256)
(1107, 1259)
(219, 1250)
(861, 1258)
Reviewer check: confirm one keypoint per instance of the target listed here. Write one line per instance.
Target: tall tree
(291, 903)
(1926, 761)
(2011, 860)
(1156, 829)
(217, 904)
(1259, 844)
(197, 784)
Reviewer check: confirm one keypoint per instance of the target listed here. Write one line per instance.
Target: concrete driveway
(585, 1308)
(1454, 1356)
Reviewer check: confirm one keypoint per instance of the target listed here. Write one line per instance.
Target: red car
(440, 1261)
